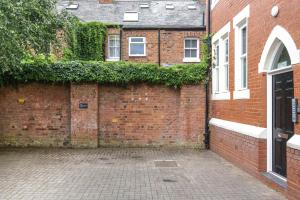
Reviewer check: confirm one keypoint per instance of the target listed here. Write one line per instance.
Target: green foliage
(26, 26)
(85, 41)
(115, 73)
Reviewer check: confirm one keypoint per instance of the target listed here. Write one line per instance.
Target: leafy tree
(26, 27)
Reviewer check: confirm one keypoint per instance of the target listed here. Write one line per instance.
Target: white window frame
(129, 46)
(189, 59)
(109, 57)
(219, 79)
(240, 21)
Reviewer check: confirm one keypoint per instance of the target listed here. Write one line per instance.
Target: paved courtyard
(124, 174)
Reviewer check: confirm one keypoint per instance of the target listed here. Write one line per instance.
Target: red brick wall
(293, 166)
(151, 115)
(84, 122)
(136, 115)
(42, 120)
(171, 47)
(245, 151)
(260, 25)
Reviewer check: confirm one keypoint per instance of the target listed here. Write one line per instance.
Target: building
(255, 76)
(157, 31)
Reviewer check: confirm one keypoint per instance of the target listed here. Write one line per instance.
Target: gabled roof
(156, 16)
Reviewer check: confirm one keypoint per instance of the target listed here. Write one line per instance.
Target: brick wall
(245, 151)
(35, 115)
(260, 25)
(49, 115)
(171, 47)
(150, 115)
(293, 166)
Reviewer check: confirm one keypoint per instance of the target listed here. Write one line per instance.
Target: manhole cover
(169, 180)
(165, 163)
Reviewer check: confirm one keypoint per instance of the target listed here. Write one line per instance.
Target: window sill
(191, 60)
(112, 59)
(221, 96)
(241, 94)
(137, 55)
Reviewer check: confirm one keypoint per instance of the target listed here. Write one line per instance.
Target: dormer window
(170, 6)
(131, 17)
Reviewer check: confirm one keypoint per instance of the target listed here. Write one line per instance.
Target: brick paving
(124, 174)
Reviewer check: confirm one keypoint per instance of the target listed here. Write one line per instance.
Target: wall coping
(245, 129)
(294, 142)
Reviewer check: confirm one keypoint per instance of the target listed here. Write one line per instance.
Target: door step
(280, 181)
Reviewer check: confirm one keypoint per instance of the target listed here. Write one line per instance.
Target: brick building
(157, 31)
(255, 76)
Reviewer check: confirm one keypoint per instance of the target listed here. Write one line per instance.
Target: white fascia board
(245, 129)
(244, 14)
(224, 30)
(294, 142)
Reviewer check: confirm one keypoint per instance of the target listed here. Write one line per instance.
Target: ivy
(85, 41)
(114, 73)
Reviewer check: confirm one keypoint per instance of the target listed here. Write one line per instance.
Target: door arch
(279, 54)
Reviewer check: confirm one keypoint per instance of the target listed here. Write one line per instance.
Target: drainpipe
(121, 41)
(158, 47)
(207, 131)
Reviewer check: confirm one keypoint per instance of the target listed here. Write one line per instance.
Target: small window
(144, 5)
(191, 48)
(137, 46)
(131, 16)
(170, 6)
(192, 7)
(114, 47)
(282, 58)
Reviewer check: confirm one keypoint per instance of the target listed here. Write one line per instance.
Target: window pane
(284, 59)
(226, 77)
(187, 43)
(112, 42)
(226, 50)
(244, 40)
(117, 52)
(187, 53)
(112, 52)
(217, 55)
(194, 53)
(137, 39)
(217, 80)
(136, 49)
(244, 72)
(194, 43)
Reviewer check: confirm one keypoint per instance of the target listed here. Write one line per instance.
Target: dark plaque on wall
(83, 105)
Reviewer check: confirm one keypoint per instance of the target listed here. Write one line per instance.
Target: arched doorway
(278, 56)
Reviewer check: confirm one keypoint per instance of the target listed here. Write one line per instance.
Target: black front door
(283, 127)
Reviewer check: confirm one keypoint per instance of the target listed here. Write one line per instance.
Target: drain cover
(169, 180)
(165, 163)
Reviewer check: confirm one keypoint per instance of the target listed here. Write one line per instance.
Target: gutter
(207, 131)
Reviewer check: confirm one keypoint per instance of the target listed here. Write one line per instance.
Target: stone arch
(278, 36)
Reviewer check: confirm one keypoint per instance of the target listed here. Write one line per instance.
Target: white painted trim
(223, 31)
(269, 123)
(278, 35)
(241, 94)
(191, 60)
(112, 59)
(241, 16)
(294, 142)
(221, 96)
(245, 129)
(214, 3)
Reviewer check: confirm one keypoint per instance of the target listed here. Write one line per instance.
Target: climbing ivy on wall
(85, 41)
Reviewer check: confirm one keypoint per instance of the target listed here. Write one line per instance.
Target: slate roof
(156, 16)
